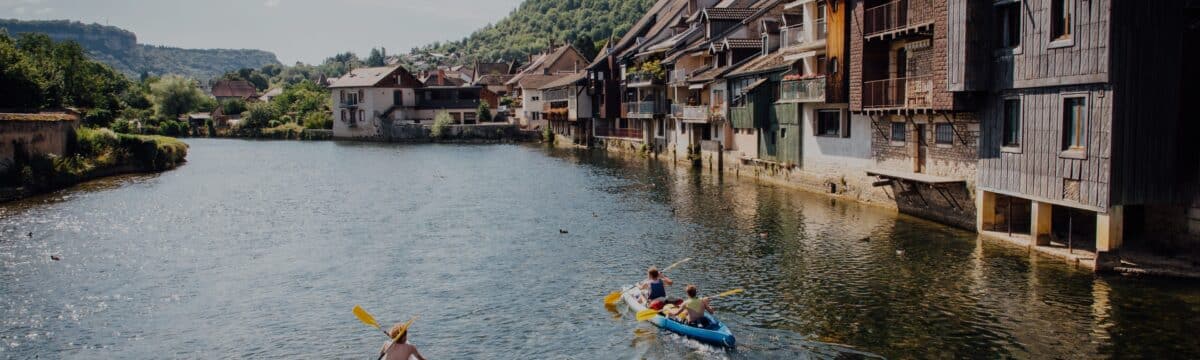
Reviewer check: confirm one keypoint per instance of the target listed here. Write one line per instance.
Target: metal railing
(620, 133)
(805, 90)
(690, 112)
(641, 78)
(890, 16)
(677, 76)
(645, 108)
(800, 35)
(910, 92)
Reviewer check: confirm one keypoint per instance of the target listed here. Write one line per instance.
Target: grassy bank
(94, 153)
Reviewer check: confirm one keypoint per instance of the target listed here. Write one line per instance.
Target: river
(261, 249)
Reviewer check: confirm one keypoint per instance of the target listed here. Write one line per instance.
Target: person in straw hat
(401, 349)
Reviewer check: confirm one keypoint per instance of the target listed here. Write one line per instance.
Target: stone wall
(422, 133)
(20, 133)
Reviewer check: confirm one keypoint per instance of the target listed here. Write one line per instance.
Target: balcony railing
(805, 90)
(914, 92)
(645, 108)
(641, 79)
(678, 76)
(800, 35)
(620, 133)
(891, 16)
(691, 113)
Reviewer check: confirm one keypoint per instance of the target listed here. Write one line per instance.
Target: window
(829, 123)
(899, 131)
(1008, 25)
(943, 134)
(351, 98)
(822, 65)
(1074, 123)
(362, 115)
(345, 115)
(1062, 14)
(662, 124)
(1012, 123)
(783, 133)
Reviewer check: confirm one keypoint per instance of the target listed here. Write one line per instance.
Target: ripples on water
(260, 249)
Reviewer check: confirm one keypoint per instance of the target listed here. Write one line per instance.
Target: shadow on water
(505, 251)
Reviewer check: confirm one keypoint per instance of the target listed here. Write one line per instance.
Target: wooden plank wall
(969, 33)
(1147, 63)
(1038, 171)
(837, 44)
(1037, 64)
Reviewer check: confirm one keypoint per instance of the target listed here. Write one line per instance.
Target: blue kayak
(715, 334)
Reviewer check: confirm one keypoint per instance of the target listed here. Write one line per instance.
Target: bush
(318, 120)
(99, 118)
(484, 113)
(233, 107)
(94, 142)
(212, 128)
(122, 126)
(284, 132)
(441, 123)
(548, 136)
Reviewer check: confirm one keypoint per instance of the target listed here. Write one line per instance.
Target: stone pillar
(1109, 236)
(1041, 225)
(985, 210)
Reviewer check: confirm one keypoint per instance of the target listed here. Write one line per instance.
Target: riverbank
(854, 185)
(91, 154)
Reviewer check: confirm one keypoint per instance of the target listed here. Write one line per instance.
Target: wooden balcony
(910, 93)
(894, 18)
(804, 90)
(678, 77)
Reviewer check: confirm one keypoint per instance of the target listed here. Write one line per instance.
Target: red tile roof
(234, 88)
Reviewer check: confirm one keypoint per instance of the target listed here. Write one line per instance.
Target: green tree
(377, 58)
(441, 125)
(259, 115)
(484, 112)
(174, 96)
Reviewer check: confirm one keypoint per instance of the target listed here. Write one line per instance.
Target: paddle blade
(727, 293)
(646, 314)
(612, 298)
(365, 317)
(677, 263)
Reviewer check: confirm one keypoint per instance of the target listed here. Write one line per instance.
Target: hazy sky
(296, 30)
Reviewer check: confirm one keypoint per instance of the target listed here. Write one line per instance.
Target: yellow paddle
(651, 313)
(615, 296)
(366, 318)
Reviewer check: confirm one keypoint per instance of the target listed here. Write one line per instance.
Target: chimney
(441, 77)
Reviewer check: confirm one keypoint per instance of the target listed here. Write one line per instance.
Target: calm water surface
(260, 249)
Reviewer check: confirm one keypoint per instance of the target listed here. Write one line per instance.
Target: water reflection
(294, 234)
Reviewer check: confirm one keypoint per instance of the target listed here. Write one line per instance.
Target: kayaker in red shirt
(656, 283)
(401, 349)
(695, 308)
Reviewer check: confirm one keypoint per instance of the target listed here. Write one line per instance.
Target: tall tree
(174, 96)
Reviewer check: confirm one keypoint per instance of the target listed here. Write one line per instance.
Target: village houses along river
(260, 250)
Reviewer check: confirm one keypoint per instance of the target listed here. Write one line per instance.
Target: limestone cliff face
(119, 48)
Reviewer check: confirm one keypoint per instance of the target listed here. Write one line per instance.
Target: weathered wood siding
(969, 28)
(837, 43)
(784, 128)
(1149, 139)
(1038, 170)
(1036, 63)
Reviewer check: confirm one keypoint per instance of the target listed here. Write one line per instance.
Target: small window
(362, 115)
(1012, 123)
(944, 134)
(1062, 17)
(783, 133)
(1008, 25)
(1074, 123)
(899, 132)
(345, 115)
(829, 123)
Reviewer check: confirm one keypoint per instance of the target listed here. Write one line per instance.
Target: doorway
(922, 150)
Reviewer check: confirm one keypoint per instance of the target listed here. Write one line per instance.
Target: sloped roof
(493, 80)
(537, 81)
(565, 81)
(743, 43)
(485, 69)
(234, 88)
(774, 62)
(446, 80)
(543, 62)
(363, 77)
(729, 13)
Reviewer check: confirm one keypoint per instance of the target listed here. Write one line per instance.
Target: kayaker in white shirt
(401, 349)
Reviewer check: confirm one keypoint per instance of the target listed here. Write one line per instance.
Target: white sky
(295, 30)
